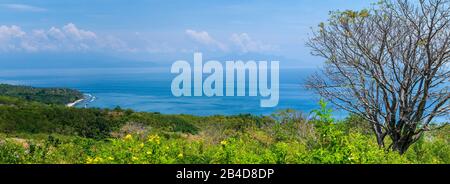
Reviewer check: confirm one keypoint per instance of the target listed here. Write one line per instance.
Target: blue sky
(164, 30)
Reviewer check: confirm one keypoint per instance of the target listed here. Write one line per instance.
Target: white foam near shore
(88, 98)
(74, 103)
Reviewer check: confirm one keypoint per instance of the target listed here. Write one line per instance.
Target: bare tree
(388, 64)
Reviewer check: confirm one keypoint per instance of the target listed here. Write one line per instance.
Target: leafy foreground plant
(320, 140)
(35, 132)
(332, 148)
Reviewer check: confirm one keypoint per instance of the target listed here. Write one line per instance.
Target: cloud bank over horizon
(66, 38)
(71, 38)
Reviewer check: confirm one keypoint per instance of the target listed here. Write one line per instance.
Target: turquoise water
(148, 89)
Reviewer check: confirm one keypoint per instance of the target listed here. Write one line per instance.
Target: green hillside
(43, 95)
(36, 132)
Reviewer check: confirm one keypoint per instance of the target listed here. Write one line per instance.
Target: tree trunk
(379, 134)
(401, 143)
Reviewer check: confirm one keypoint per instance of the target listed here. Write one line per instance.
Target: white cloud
(203, 37)
(24, 8)
(8, 32)
(78, 34)
(67, 38)
(56, 33)
(9, 36)
(240, 42)
(246, 44)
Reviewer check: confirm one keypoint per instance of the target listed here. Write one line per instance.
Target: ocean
(149, 90)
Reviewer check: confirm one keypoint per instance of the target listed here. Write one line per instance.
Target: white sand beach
(74, 103)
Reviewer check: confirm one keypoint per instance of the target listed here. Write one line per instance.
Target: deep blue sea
(149, 89)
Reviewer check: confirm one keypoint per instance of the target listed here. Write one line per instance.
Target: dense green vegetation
(44, 95)
(34, 132)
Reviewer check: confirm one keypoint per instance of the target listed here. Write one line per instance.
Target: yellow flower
(154, 138)
(128, 137)
(110, 158)
(141, 145)
(224, 142)
(180, 155)
(97, 160)
(134, 158)
(89, 160)
(148, 152)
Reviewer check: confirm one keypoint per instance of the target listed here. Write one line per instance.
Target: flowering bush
(286, 139)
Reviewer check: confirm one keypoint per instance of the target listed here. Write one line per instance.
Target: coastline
(74, 103)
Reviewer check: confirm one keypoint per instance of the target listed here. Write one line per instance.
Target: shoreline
(87, 97)
(74, 103)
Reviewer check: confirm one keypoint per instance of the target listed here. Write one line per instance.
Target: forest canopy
(43, 95)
